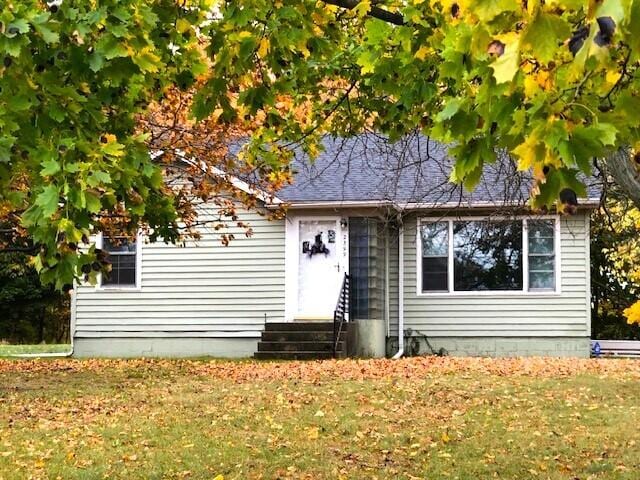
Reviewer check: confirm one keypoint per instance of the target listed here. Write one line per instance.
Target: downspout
(400, 351)
(72, 328)
(387, 308)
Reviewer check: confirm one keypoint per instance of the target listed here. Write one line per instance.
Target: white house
(473, 274)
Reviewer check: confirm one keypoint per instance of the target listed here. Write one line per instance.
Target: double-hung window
(542, 255)
(123, 255)
(479, 254)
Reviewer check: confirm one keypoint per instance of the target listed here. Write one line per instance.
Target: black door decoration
(318, 246)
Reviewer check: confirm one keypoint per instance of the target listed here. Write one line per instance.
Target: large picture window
(477, 255)
(487, 256)
(123, 257)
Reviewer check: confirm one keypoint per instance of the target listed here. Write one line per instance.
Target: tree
(93, 103)
(615, 267)
(29, 311)
(553, 83)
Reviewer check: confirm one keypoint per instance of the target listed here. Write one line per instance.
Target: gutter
(400, 351)
(582, 202)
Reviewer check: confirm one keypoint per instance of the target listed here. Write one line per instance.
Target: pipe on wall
(400, 351)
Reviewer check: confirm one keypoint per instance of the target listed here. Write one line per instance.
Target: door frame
(291, 257)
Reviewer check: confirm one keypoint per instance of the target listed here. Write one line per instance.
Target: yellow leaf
(612, 77)
(530, 152)
(182, 25)
(362, 8)
(313, 433)
(422, 52)
(633, 313)
(219, 477)
(507, 64)
(263, 48)
(244, 34)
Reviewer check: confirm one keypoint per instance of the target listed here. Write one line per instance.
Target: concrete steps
(299, 341)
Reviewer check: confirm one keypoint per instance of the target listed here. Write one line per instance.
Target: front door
(320, 267)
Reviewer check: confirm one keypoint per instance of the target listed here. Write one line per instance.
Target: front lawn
(416, 418)
(8, 350)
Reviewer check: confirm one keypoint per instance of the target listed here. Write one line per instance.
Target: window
(478, 255)
(123, 257)
(542, 255)
(487, 255)
(435, 257)
(366, 268)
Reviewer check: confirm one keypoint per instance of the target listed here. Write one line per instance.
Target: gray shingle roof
(415, 169)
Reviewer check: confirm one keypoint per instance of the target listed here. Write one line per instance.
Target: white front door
(320, 264)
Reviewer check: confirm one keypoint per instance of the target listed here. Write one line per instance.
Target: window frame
(138, 260)
(526, 291)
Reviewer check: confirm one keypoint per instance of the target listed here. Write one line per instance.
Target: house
(471, 273)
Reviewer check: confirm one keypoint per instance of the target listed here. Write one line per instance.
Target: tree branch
(17, 250)
(620, 166)
(374, 11)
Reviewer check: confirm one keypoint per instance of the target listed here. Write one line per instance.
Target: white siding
(202, 290)
(512, 315)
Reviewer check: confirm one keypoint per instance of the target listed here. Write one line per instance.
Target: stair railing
(341, 313)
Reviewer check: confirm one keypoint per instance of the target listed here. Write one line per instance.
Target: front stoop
(299, 341)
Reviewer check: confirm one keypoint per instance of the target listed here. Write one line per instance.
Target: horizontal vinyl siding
(201, 290)
(512, 315)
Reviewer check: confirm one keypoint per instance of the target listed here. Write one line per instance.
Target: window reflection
(487, 255)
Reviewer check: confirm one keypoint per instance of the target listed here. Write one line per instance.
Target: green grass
(7, 350)
(405, 420)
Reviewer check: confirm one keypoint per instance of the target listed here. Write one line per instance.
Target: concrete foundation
(164, 347)
(496, 346)
(366, 339)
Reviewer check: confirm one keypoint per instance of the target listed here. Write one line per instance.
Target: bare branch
(374, 11)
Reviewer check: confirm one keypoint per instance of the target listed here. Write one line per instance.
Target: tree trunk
(623, 168)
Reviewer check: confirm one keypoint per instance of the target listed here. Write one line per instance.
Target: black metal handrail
(341, 313)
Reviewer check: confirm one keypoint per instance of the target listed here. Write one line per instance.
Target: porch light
(343, 222)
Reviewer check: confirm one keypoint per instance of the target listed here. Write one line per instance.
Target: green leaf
(367, 61)
(50, 167)
(146, 60)
(48, 35)
(487, 10)
(450, 109)
(544, 34)
(96, 61)
(48, 200)
(93, 202)
(20, 24)
(113, 149)
(605, 132)
(98, 178)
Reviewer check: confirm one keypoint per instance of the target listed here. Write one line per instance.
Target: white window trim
(126, 288)
(525, 258)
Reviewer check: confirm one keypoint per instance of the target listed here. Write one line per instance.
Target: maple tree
(553, 83)
(94, 104)
(87, 91)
